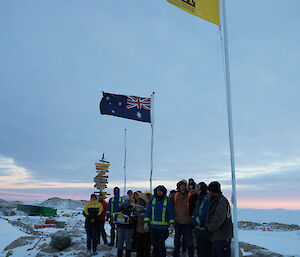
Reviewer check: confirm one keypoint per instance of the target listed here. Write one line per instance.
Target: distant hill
(66, 204)
(9, 204)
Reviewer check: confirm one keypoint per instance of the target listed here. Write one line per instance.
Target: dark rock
(47, 248)
(60, 241)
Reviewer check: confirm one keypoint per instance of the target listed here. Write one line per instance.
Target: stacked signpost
(101, 178)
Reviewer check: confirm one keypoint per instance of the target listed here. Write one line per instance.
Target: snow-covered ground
(274, 215)
(20, 225)
(282, 242)
(8, 233)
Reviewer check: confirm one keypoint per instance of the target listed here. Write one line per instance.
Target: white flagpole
(229, 113)
(125, 157)
(152, 139)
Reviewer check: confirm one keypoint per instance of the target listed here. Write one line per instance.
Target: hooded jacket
(160, 211)
(92, 211)
(199, 217)
(218, 219)
(140, 219)
(113, 205)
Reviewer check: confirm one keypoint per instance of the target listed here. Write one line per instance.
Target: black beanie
(215, 187)
(203, 187)
(192, 185)
(93, 195)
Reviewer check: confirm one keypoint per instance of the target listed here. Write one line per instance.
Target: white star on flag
(139, 115)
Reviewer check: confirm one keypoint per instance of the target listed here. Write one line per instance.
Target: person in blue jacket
(160, 216)
(113, 207)
(204, 245)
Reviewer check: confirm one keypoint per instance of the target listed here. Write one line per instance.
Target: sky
(56, 58)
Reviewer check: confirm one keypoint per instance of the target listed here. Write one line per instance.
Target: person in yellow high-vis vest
(113, 207)
(159, 218)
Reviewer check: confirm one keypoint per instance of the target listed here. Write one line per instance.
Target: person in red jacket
(101, 230)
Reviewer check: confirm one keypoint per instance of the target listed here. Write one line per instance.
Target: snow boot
(120, 252)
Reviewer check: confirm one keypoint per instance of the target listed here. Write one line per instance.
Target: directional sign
(102, 172)
(101, 180)
(100, 185)
(101, 176)
(102, 166)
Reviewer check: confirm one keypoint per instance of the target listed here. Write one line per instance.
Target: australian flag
(129, 107)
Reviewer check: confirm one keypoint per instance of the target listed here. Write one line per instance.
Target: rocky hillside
(66, 204)
(9, 204)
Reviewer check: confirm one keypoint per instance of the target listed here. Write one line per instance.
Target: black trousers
(203, 247)
(101, 231)
(143, 244)
(158, 238)
(221, 248)
(185, 231)
(91, 234)
(112, 232)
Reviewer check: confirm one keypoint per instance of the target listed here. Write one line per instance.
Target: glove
(171, 228)
(146, 226)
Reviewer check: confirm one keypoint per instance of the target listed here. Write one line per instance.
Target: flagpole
(125, 157)
(230, 130)
(152, 139)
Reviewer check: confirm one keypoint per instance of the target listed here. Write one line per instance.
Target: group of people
(199, 214)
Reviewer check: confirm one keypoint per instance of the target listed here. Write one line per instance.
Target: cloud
(14, 176)
(11, 173)
(265, 169)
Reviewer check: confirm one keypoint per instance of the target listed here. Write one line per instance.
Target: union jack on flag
(138, 102)
(129, 107)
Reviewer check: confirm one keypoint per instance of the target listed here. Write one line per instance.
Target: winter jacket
(199, 217)
(140, 214)
(192, 203)
(159, 213)
(140, 224)
(181, 207)
(92, 211)
(103, 214)
(132, 200)
(126, 209)
(113, 205)
(218, 219)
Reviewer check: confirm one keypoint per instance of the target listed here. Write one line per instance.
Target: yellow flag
(205, 9)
